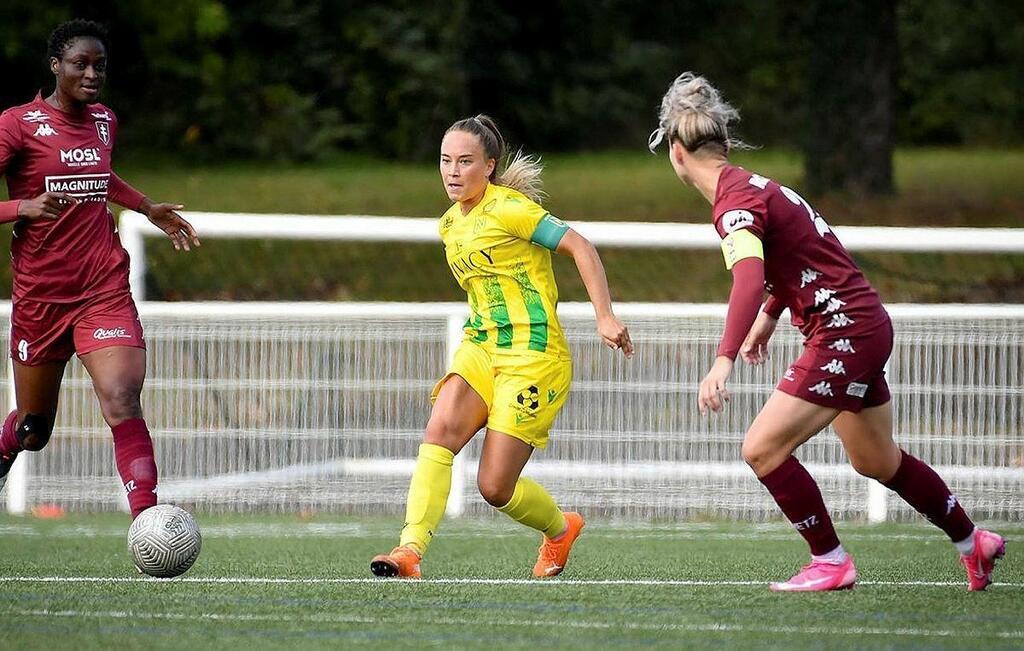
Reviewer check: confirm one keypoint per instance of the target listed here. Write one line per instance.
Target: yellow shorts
(523, 390)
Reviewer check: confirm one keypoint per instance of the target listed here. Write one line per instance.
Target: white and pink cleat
(820, 577)
(987, 548)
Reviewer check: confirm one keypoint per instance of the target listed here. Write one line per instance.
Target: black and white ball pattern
(164, 540)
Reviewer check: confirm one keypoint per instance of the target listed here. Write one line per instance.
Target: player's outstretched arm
(588, 262)
(163, 215)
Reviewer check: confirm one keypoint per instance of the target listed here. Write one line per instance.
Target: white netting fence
(318, 407)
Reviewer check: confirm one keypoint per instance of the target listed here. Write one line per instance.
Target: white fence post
(457, 496)
(878, 495)
(878, 502)
(17, 478)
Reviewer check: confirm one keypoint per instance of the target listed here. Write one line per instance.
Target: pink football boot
(819, 577)
(987, 548)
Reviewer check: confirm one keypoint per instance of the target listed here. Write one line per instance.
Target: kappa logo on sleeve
(736, 219)
(759, 181)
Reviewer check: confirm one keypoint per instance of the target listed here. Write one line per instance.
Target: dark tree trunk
(851, 96)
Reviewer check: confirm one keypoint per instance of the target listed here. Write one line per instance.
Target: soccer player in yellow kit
(512, 371)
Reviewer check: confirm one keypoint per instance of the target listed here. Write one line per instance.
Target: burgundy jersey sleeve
(123, 194)
(773, 307)
(744, 303)
(736, 210)
(10, 143)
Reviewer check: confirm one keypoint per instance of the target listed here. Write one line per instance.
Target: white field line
(191, 617)
(229, 580)
(694, 531)
(455, 621)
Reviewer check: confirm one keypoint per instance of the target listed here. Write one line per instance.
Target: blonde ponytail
(522, 173)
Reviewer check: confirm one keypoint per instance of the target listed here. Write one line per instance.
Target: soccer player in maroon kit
(774, 240)
(71, 290)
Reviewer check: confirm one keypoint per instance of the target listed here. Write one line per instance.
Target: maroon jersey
(44, 149)
(806, 268)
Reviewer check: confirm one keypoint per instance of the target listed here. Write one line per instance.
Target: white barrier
(135, 227)
(312, 406)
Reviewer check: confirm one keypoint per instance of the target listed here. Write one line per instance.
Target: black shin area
(34, 432)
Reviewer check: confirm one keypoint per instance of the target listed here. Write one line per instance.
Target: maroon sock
(797, 494)
(133, 450)
(923, 489)
(9, 443)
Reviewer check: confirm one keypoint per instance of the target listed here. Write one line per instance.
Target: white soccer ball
(164, 540)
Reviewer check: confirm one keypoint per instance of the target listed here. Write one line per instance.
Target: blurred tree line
(293, 80)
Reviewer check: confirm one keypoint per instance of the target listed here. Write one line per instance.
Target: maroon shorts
(844, 371)
(52, 332)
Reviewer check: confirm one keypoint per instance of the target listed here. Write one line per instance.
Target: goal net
(320, 408)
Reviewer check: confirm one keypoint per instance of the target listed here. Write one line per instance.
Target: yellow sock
(428, 496)
(533, 506)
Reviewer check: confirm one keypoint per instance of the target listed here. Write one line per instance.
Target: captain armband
(549, 232)
(741, 244)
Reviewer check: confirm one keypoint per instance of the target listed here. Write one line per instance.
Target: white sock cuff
(835, 557)
(966, 546)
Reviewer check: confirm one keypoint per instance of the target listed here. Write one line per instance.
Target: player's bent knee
(443, 432)
(123, 402)
(494, 493)
(873, 468)
(34, 432)
(753, 454)
(761, 458)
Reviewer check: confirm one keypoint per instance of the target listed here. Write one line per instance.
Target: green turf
(552, 614)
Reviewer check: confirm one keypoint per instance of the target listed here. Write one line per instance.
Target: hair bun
(694, 112)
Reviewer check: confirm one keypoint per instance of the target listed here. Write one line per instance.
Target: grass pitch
(266, 582)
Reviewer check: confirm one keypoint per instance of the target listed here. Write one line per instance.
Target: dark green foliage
(284, 79)
(851, 87)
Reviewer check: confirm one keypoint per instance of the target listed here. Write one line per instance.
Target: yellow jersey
(500, 253)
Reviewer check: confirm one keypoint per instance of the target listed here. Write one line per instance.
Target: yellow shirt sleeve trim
(741, 244)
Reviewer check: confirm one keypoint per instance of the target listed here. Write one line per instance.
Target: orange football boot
(402, 562)
(554, 554)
